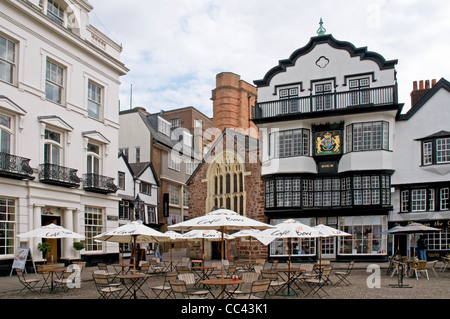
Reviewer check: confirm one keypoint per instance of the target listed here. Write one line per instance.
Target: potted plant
(44, 248)
(77, 245)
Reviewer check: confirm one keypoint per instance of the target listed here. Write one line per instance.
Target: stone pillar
(36, 222)
(67, 246)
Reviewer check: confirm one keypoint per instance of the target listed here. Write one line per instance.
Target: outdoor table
(133, 283)
(223, 283)
(49, 273)
(122, 266)
(292, 275)
(203, 272)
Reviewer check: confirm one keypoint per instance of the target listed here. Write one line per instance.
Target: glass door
(328, 245)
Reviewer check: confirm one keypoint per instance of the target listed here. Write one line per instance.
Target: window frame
(52, 83)
(53, 144)
(362, 136)
(12, 63)
(95, 100)
(93, 228)
(6, 131)
(297, 143)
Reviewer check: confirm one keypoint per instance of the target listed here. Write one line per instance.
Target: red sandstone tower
(233, 103)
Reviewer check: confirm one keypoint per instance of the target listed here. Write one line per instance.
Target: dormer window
(164, 126)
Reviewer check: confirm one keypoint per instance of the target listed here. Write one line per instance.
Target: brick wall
(254, 188)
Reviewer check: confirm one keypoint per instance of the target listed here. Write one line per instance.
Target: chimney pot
(433, 82)
(421, 85)
(427, 84)
(415, 86)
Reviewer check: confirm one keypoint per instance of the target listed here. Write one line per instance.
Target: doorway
(55, 244)
(327, 244)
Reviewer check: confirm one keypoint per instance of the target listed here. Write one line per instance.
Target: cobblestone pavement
(365, 284)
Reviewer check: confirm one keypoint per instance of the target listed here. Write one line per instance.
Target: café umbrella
(328, 232)
(51, 231)
(135, 233)
(414, 228)
(222, 220)
(287, 230)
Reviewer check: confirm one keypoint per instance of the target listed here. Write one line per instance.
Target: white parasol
(328, 231)
(51, 231)
(414, 228)
(222, 220)
(287, 230)
(134, 233)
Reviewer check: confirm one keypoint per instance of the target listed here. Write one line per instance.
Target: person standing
(422, 247)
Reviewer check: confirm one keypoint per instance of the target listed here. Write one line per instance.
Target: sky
(175, 48)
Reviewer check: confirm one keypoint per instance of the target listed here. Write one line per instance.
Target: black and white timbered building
(327, 117)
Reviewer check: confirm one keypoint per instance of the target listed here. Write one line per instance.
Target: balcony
(323, 104)
(99, 184)
(59, 175)
(16, 167)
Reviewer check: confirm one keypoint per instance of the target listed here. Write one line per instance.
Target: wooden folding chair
(179, 288)
(28, 283)
(165, 287)
(317, 284)
(105, 288)
(342, 275)
(258, 290)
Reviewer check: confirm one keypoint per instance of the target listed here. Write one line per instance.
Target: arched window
(226, 184)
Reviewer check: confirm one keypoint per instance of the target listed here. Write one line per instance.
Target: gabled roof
(139, 168)
(329, 39)
(441, 84)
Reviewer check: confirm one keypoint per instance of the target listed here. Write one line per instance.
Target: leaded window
(290, 143)
(367, 136)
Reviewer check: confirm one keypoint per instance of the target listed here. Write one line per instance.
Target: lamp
(137, 204)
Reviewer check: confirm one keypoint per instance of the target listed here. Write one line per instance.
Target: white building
(422, 162)
(326, 117)
(59, 124)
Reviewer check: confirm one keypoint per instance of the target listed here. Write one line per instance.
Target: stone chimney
(419, 91)
(233, 102)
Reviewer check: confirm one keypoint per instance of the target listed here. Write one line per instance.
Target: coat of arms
(328, 144)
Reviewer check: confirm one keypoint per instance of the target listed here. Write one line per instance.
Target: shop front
(365, 243)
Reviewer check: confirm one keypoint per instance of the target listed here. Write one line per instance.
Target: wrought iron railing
(98, 183)
(15, 166)
(55, 174)
(327, 102)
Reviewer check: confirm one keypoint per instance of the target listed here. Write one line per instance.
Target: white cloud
(175, 48)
